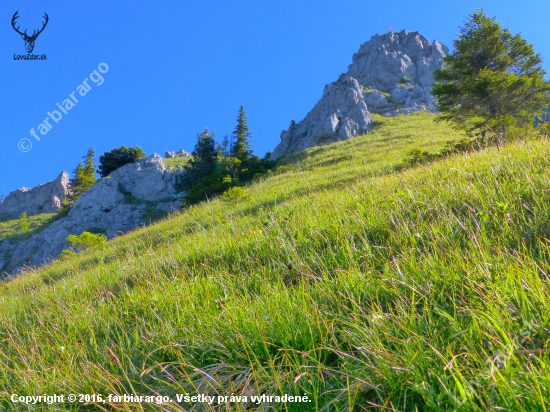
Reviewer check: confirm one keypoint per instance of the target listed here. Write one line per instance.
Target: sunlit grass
(176, 161)
(10, 228)
(345, 278)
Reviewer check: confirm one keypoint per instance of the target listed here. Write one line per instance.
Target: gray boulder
(115, 205)
(340, 114)
(46, 198)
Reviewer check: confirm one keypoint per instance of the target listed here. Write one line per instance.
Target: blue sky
(176, 67)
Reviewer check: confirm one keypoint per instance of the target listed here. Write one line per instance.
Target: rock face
(391, 74)
(116, 204)
(340, 114)
(396, 71)
(46, 198)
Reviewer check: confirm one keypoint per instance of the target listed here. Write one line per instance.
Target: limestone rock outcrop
(396, 71)
(391, 74)
(340, 114)
(181, 153)
(116, 204)
(46, 198)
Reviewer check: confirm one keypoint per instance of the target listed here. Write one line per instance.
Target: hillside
(343, 276)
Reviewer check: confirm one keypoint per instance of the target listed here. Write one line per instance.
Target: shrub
(87, 240)
(234, 194)
(283, 169)
(116, 158)
(24, 225)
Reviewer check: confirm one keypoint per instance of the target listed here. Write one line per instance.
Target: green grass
(10, 227)
(176, 161)
(346, 278)
(368, 90)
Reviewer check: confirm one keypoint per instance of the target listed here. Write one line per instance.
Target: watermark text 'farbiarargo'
(66, 105)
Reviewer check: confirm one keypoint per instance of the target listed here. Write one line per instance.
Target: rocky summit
(391, 74)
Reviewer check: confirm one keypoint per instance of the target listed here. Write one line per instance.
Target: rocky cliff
(391, 74)
(116, 204)
(46, 198)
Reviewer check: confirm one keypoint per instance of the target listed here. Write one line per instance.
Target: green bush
(116, 158)
(24, 225)
(234, 194)
(87, 240)
(283, 168)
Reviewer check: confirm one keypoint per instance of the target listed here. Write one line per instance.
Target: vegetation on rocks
(84, 176)
(214, 168)
(110, 161)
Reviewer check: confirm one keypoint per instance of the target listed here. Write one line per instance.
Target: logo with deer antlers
(29, 40)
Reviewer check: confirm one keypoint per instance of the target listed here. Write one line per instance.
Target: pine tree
(84, 176)
(493, 80)
(240, 146)
(204, 159)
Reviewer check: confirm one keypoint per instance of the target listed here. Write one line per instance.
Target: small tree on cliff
(493, 80)
(84, 175)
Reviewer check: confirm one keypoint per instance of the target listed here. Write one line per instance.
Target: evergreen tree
(205, 174)
(493, 80)
(215, 168)
(84, 176)
(204, 159)
(240, 146)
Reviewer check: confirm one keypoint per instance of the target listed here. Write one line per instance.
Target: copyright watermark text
(25, 145)
(188, 399)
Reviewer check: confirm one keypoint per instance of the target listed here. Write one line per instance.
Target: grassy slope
(409, 290)
(10, 228)
(176, 161)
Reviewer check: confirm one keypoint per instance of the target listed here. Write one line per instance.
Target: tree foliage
(240, 145)
(116, 158)
(84, 176)
(492, 81)
(216, 168)
(203, 161)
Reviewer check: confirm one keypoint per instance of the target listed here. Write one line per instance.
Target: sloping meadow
(342, 277)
